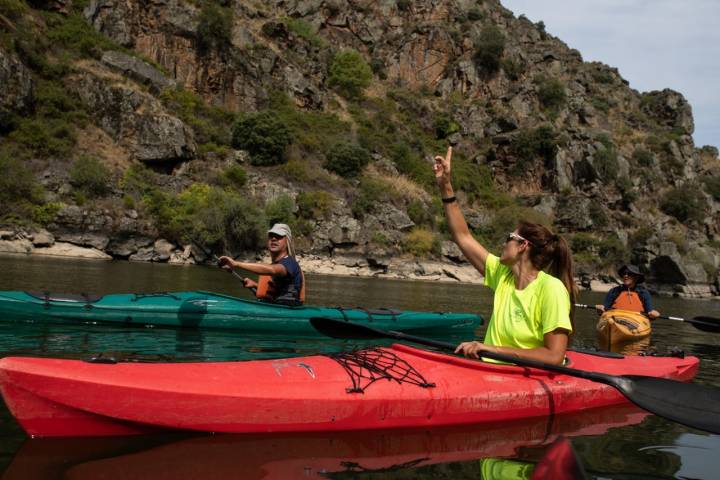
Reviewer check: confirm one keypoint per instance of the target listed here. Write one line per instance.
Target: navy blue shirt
(288, 287)
(615, 292)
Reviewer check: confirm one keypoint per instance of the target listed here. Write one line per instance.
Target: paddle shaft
(217, 260)
(502, 357)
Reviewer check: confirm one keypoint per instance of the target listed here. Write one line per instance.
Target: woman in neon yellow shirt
(532, 310)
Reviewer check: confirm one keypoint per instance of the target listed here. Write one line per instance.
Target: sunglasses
(517, 238)
(275, 236)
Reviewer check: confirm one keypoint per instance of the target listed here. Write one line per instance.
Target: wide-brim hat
(633, 270)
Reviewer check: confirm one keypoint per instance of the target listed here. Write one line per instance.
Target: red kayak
(398, 387)
(310, 455)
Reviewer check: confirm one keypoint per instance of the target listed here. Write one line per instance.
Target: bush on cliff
(349, 73)
(347, 159)
(214, 30)
(265, 135)
(490, 47)
(686, 203)
(90, 176)
(421, 242)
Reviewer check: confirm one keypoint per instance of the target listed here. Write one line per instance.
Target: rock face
(16, 83)
(134, 119)
(138, 70)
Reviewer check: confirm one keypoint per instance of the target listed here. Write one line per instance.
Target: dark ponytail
(551, 253)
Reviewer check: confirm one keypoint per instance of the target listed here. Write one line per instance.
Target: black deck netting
(367, 366)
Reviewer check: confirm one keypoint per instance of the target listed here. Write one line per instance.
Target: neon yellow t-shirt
(521, 318)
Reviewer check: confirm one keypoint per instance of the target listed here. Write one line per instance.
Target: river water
(614, 444)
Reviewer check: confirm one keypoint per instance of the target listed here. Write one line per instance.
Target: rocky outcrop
(134, 119)
(16, 85)
(140, 71)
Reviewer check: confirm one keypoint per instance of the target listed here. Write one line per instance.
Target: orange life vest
(266, 289)
(629, 300)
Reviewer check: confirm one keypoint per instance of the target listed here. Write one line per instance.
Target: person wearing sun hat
(282, 281)
(630, 295)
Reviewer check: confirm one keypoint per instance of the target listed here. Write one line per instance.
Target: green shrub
(74, 33)
(314, 205)
(532, 144)
(606, 164)
(551, 93)
(17, 183)
(600, 104)
(513, 68)
(349, 74)
(686, 203)
(212, 125)
(236, 176)
(505, 219)
(12, 9)
(265, 135)
(312, 131)
(46, 213)
(90, 176)
(627, 191)
(421, 242)
(370, 192)
(445, 126)
(347, 159)
(214, 30)
(220, 219)
(304, 30)
(643, 157)
(280, 209)
(420, 214)
(411, 164)
(712, 186)
(475, 14)
(45, 136)
(489, 49)
(583, 242)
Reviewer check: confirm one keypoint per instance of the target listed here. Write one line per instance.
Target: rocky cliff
(134, 126)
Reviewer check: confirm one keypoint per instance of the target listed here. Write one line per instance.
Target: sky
(655, 44)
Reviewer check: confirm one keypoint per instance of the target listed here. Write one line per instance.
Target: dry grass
(402, 185)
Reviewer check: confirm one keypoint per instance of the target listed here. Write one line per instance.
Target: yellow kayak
(618, 328)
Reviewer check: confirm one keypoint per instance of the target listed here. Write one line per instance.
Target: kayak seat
(48, 297)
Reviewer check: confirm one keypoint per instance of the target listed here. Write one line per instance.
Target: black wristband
(449, 199)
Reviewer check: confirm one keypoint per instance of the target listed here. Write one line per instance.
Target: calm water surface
(618, 444)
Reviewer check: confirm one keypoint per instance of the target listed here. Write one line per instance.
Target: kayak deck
(398, 387)
(200, 309)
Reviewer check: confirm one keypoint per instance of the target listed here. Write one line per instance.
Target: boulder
(16, 246)
(43, 238)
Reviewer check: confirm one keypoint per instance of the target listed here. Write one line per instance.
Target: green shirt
(521, 318)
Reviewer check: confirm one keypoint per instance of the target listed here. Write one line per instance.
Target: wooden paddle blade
(706, 324)
(689, 404)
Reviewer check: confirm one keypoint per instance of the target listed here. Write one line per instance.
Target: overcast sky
(655, 44)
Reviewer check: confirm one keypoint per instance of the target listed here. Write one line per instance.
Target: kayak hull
(53, 397)
(200, 309)
(618, 327)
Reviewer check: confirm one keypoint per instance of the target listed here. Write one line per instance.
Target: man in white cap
(282, 281)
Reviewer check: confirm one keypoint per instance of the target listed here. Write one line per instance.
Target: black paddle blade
(706, 324)
(689, 404)
(348, 330)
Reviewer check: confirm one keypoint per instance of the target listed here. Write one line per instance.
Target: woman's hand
(600, 308)
(441, 168)
(471, 349)
(226, 263)
(653, 314)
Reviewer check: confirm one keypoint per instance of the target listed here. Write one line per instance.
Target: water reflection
(324, 455)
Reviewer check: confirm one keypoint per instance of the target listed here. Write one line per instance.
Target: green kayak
(210, 310)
